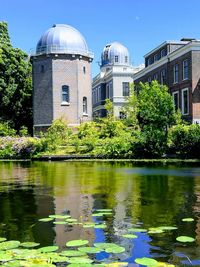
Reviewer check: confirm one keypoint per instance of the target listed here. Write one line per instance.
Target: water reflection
(149, 196)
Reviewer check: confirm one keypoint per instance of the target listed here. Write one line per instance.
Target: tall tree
(15, 83)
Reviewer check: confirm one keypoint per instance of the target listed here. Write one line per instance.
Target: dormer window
(163, 53)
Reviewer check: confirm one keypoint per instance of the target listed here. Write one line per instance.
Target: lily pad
(185, 239)
(62, 217)
(72, 253)
(187, 219)
(146, 261)
(77, 243)
(79, 260)
(59, 222)
(9, 245)
(2, 239)
(45, 219)
(90, 250)
(115, 249)
(100, 226)
(167, 228)
(29, 244)
(137, 230)
(48, 249)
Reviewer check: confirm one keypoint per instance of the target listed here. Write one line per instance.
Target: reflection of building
(176, 64)
(61, 77)
(113, 80)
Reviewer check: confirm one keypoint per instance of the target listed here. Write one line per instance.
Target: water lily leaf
(2, 239)
(117, 264)
(187, 219)
(90, 249)
(9, 245)
(104, 245)
(45, 219)
(79, 260)
(115, 249)
(48, 249)
(62, 217)
(156, 231)
(59, 222)
(137, 230)
(97, 214)
(167, 228)
(77, 243)
(100, 226)
(185, 239)
(29, 244)
(72, 253)
(71, 220)
(129, 236)
(146, 261)
(80, 265)
(165, 264)
(13, 264)
(88, 225)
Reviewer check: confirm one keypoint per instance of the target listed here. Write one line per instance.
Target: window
(65, 93)
(84, 69)
(116, 58)
(155, 76)
(149, 79)
(163, 76)
(84, 105)
(163, 53)
(185, 69)
(126, 59)
(185, 101)
(176, 73)
(155, 57)
(42, 68)
(125, 88)
(175, 96)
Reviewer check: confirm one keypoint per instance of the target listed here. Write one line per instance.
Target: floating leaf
(129, 236)
(9, 245)
(81, 265)
(48, 249)
(2, 239)
(59, 222)
(185, 239)
(104, 210)
(79, 260)
(115, 249)
(88, 225)
(146, 261)
(45, 219)
(167, 228)
(29, 244)
(187, 219)
(90, 249)
(72, 253)
(104, 245)
(117, 264)
(71, 220)
(137, 230)
(77, 243)
(100, 226)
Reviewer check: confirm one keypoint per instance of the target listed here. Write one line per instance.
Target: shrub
(184, 141)
(6, 130)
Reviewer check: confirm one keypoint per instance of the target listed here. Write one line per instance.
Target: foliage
(130, 109)
(155, 106)
(184, 140)
(6, 130)
(58, 134)
(15, 83)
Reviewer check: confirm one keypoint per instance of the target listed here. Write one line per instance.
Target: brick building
(177, 65)
(61, 78)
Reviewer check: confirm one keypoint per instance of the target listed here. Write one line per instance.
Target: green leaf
(29, 244)
(187, 219)
(115, 249)
(146, 261)
(185, 239)
(48, 249)
(45, 220)
(9, 245)
(79, 260)
(129, 236)
(90, 249)
(137, 230)
(72, 253)
(77, 243)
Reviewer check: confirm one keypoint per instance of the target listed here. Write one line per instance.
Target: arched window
(65, 93)
(84, 105)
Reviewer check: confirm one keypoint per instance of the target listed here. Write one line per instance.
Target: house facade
(113, 81)
(177, 65)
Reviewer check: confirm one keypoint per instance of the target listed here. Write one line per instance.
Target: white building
(113, 81)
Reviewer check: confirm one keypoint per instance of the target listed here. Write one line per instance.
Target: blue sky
(140, 25)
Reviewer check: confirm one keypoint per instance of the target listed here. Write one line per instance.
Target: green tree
(15, 83)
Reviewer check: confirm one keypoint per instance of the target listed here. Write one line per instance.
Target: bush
(184, 141)
(6, 130)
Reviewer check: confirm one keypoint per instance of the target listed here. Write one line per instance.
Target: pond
(128, 197)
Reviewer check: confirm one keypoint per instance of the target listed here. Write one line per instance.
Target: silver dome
(62, 39)
(115, 54)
